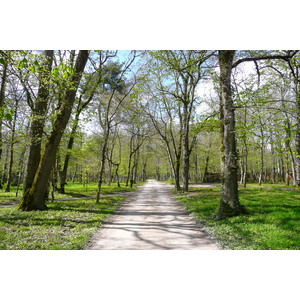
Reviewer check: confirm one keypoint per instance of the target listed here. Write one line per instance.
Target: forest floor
(68, 224)
(75, 192)
(151, 218)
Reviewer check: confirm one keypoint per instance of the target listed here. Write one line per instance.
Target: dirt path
(151, 219)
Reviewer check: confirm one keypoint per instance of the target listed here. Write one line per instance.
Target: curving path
(151, 219)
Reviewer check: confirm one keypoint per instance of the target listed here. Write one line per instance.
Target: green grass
(273, 221)
(66, 225)
(9, 198)
(73, 190)
(77, 189)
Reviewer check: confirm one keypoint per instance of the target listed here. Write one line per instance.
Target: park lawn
(273, 221)
(66, 225)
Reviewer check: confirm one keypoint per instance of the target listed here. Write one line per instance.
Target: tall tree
(39, 110)
(229, 205)
(294, 65)
(34, 197)
(93, 82)
(110, 106)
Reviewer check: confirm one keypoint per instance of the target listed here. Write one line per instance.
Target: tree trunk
(287, 171)
(102, 168)
(260, 178)
(34, 197)
(12, 142)
(196, 169)
(2, 98)
(129, 168)
(185, 150)
(117, 175)
(262, 146)
(21, 166)
(205, 175)
(10, 165)
(273, 162)
(63, 172)
(229, 204)
(245, 165)
(175, 165)
(4, 171)
(38, 121)
(297, 140)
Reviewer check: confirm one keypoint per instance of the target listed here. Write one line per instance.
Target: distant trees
(178, 74)
(110, 108)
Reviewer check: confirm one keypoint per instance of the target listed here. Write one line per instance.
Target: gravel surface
(151, 218)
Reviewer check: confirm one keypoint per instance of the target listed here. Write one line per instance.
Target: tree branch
(283, 57)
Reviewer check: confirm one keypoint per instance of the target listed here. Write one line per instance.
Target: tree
(110, 106)
(17, 95)
(163, 112)
(294, 66)
(102, 76)
(229, 204)
(183, 71)
(34, 197)
(4, 60)
(39, 110)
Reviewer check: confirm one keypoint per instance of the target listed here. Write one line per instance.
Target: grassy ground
(273, 222)
(73, 190)
(78, 190)
(65, 225)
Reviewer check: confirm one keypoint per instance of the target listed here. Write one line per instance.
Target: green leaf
(23, 63)
(2, 61)
(8, 117)
(55, 72)
(32, 69)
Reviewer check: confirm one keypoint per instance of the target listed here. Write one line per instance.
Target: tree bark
(12, 143)
(297, 140)
(103, 160)
(185, 149)
(229, 204)
(63, 172)
(34, 198)
(38, 121)
(2, 98)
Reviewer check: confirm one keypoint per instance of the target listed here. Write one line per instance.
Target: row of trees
(98, 116)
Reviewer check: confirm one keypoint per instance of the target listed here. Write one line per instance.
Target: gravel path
(151, 218)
